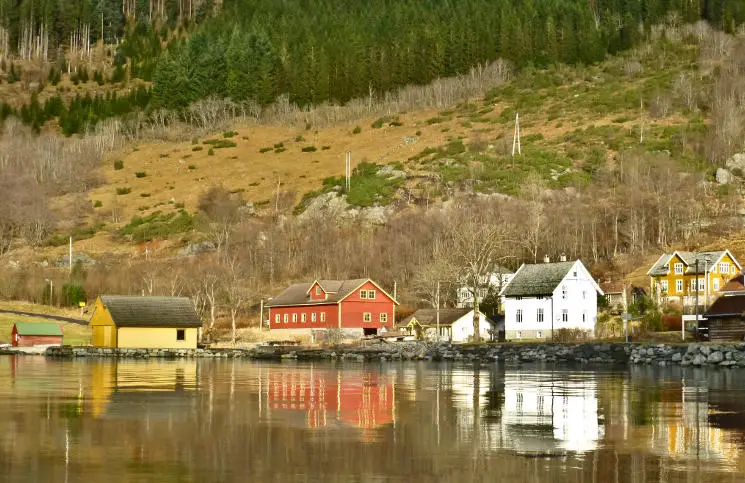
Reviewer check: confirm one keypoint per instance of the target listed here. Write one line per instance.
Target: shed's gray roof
(661, 267)
(297, 294)
(132, 311)
(428, 317)
(537, 279)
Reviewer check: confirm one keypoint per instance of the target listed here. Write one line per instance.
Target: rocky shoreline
(695, 354)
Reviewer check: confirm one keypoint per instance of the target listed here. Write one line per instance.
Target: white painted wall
(581, 299)
(462, 329)
(464, 297)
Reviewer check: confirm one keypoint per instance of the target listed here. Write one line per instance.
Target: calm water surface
(108, 421)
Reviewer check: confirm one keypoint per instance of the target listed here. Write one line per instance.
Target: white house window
(519, 315)
(679, 285)
(663, 286)
(563, 291)
(363, 294)
(303, 317)
(294, 317)
(276, 318)
(540, 334)
(540, 315)
(701, 284)
(678, 269)
(318, 290)
(693, 284)
(323, 316)
(584, 316)
(584, 294)
(383, 318)
(285, 318)
(716, 284)
(565, 315)
(367, 317)
(517, 336)
(371, 294)
(724, 267)
(733, 270)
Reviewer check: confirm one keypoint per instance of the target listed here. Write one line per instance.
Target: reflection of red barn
(329, 304)
(360, 399)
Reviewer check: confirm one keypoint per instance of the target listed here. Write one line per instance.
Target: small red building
(333, 304)
(29, 334)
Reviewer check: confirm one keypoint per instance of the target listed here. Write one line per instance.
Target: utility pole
(261, 315)
(395, 286)
(437, 310)
(696, 309)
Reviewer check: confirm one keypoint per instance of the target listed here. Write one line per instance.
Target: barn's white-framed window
(383, 317)
(724, 267)
(276, 318)
(519, 316)
(318, 290)
(285, 318)
(565, 315)
(313, 317)
(367, 317)
(678, 267)
(294, 317)
(371, 294)
(303, 317)
(679, 285)
(323, 316)
(539, 315)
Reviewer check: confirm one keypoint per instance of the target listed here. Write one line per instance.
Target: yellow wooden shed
(145, 322)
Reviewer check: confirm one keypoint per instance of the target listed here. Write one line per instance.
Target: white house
(456, 325)
(545, 297)
(496, 280)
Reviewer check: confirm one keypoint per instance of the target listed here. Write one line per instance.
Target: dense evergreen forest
(326, 49)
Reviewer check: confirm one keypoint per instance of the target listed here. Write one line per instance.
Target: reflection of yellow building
(145, 322)
(111, 379)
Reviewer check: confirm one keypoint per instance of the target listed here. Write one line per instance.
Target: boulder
(196, 248)
(698, 359)
(715, 357)
(677, 357)
(736, 163)
(723, 176)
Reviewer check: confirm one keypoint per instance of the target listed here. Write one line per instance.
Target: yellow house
(680, 276)
(145, 322)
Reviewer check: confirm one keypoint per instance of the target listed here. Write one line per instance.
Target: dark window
(180, 334)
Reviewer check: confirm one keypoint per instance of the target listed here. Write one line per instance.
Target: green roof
(38, 328)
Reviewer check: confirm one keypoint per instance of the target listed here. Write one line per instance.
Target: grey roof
(428, 317)
(297, 294)
(537, 279)
(661, 267)
(132, 311)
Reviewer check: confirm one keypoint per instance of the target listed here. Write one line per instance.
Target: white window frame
(371, 294)
(383, 318)
(519, 316)
(539, 334)
(723, 267)
(366, 317)
(716, 284)
(318, 290)
(276, 318)
(565, 315)
(294, 318)
(679, 285)
(312, 316)
(539, 315)
(663, 286)
(701, 284)
(323, 316)
(584, 316)
(693, 285)
(303, 317)
(518, 335)
(678, 268)
(286, 318)
(732, 269)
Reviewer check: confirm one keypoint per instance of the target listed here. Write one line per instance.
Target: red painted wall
(353, 307)
(313, 296)
(331, 311)
(32, 340)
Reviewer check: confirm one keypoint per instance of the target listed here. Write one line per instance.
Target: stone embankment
(732, 355)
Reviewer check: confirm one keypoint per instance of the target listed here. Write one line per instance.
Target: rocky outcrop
(736, 164)
(722, 355)
(723, 176)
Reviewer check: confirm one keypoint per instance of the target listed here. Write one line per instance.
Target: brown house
(30, 334)
(726, 318)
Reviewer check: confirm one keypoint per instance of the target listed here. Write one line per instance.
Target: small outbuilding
(145, 322)
(725, 319)
(30, 334)
(455, 325)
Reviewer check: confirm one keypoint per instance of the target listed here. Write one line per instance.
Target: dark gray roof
(661, 267)
(128, 311)
(537, 279)
(428, 317)
(297, 294)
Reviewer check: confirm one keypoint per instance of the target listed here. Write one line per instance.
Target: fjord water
(206, 420)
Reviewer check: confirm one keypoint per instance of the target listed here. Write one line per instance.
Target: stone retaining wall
(586, 353)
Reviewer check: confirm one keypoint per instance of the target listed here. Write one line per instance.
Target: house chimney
(546, 259)
(563, 257)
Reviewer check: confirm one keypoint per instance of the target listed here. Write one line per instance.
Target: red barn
(29, 334)
(333, 304)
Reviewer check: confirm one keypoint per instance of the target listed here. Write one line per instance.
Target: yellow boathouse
(145, 322)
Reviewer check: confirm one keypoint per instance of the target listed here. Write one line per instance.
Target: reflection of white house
(544, 297)
(455, 325)
(541, 414)
(495, 281)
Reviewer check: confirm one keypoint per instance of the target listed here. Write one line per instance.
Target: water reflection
(235, 421)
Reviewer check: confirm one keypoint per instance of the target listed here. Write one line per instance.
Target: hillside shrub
(123, 191)
(309, 149)
(118, 164)
(140, 174)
